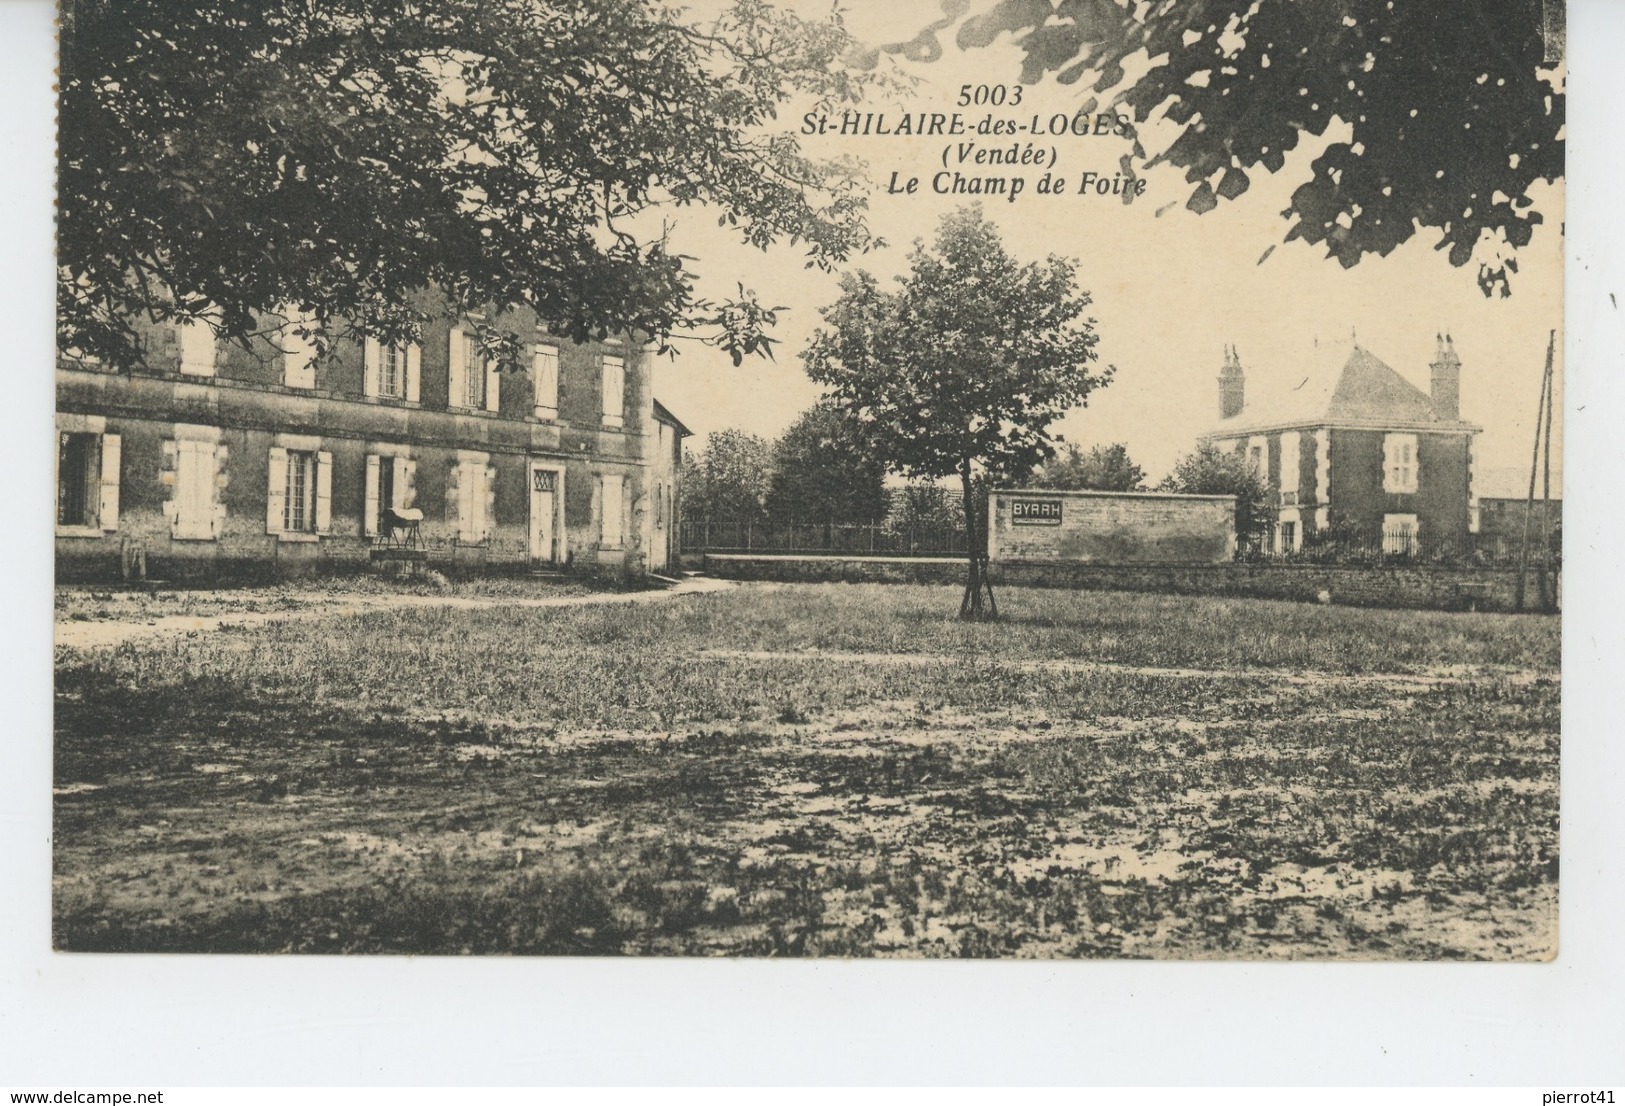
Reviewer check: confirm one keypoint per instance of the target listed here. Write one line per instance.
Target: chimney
(1232, 385)
(1446, 380)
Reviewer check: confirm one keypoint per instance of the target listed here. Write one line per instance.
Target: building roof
(671, 420)
(1342, 386)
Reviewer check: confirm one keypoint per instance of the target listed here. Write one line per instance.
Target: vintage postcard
(955, 478)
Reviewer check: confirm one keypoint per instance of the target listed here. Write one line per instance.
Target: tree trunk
(973, 607)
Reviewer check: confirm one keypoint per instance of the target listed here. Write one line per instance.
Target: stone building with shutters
(665, 475)
(1353, 445)
(220, 460)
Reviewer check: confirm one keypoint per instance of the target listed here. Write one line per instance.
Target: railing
(822, 539)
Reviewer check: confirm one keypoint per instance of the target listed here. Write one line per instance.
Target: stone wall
(1423, 587)
(1112, 527)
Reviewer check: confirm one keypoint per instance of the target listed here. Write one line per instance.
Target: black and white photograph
(1002, 479)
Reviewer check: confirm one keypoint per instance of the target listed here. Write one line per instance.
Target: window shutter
(324, 492)
(299, 353)
(488, 522)
(468, 508)
(276, 492)
(414, 371)
(493, 386)
(217, 499)
(457, 371)
(613, 380)
(200, 350)
(454, 499)
(612, 514)
(545, 371)
(372, 360)
(404, 486)
(626, 510)
(107, 513)
(369, 509)
(190, 521)
(474, 495)
(169, 467)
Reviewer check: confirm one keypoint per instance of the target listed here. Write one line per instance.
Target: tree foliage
(1211, 471)
(728, 481)
(825, 471)
(1105, 468)
(924, 506)
(226, 158)
(1453, 112)
(966, 365)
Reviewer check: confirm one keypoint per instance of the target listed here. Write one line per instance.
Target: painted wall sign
(1035, 512)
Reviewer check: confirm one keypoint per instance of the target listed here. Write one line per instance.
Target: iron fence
(822, 539)
(1417, 549)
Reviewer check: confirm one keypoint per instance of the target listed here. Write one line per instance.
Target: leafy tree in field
(1454, 112)
(728, 482)
(963, 368)
(825, 472)
(1210, 471)
(224, 158)
(1105, 468)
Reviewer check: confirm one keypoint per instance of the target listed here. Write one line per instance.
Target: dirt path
(107, 634)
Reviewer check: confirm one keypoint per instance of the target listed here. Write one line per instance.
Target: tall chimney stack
(1445, 379)
(1232, 385)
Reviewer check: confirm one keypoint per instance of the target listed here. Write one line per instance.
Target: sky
(1170, 291)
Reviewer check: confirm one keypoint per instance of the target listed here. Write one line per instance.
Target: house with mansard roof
(1355, 444)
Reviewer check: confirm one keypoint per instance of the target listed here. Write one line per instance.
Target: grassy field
(820, 769)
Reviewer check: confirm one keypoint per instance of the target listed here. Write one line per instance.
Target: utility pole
(1548, 598)
(1542, 416)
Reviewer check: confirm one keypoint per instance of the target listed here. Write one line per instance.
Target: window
(299, 501)
(389, 485)
(473, 391)
(1258, 457)
(1399, 534)
(612, 511)
(197, 347)
(193, 511)
(614, 392)
(298, 352)
(1399, 472)
(473, 379)
(87, 481)
(1291, 458)
(78, 474)
(1289, 537)
(391, 372)
(545, 372)
(299, 506)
